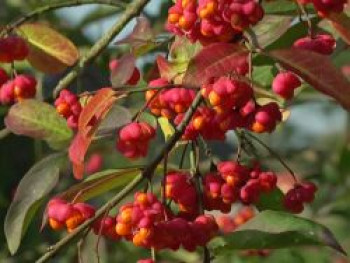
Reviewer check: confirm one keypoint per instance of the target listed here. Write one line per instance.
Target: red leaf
(89, 120)
(213, 61)
(341, 23)
(317, 70)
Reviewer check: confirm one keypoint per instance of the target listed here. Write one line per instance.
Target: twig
(274, 154)
(165, 161)
(183, 156)
(145, 106)
(131, 11)
(54, 6)
(146, 174)
(303, 11)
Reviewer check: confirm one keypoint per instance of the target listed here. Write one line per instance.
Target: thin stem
(183, 156)
(197, 176)
(146, 174)
(145, 106)
(274, 154)
(239, 147)
(208, 152)
(153, 254)
(308, 22)
(54, 6)
(131, 11)
(164, 179)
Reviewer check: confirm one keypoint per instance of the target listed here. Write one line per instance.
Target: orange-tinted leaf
(50, 51)
(341, 23)
(213, 61)
(89, 120)
(96, 107)
(44, 62)
(317, 70)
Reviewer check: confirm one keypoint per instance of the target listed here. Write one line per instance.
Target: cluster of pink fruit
(146, 222)
(212, 21)
(232, 183)
(23, 86)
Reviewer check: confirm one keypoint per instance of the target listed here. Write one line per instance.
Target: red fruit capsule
(323, 44)
(13, 48)
(24, 87)
(285, 83)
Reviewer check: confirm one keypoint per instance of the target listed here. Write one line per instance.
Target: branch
(132, 10)
(147, 173)
(54, 6)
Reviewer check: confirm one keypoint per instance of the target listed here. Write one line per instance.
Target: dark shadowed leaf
(122, 73)
(50, 51)
(214, 60)
(271, 201)
(35, 185)
(99, 183)
(40, 120)
(318, 71)
(273, 230)
(117, 117)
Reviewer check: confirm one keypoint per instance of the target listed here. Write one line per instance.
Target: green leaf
(271, 28)
(167, 129)
(50, 52)
(273, 230)
(100, 183)
(271, 201)
(182, 50)
(39, 120)
(283, 7)
(34, 186)
(264, 75)
(280, 7)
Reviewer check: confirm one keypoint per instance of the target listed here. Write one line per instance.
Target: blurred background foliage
(314, 142)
